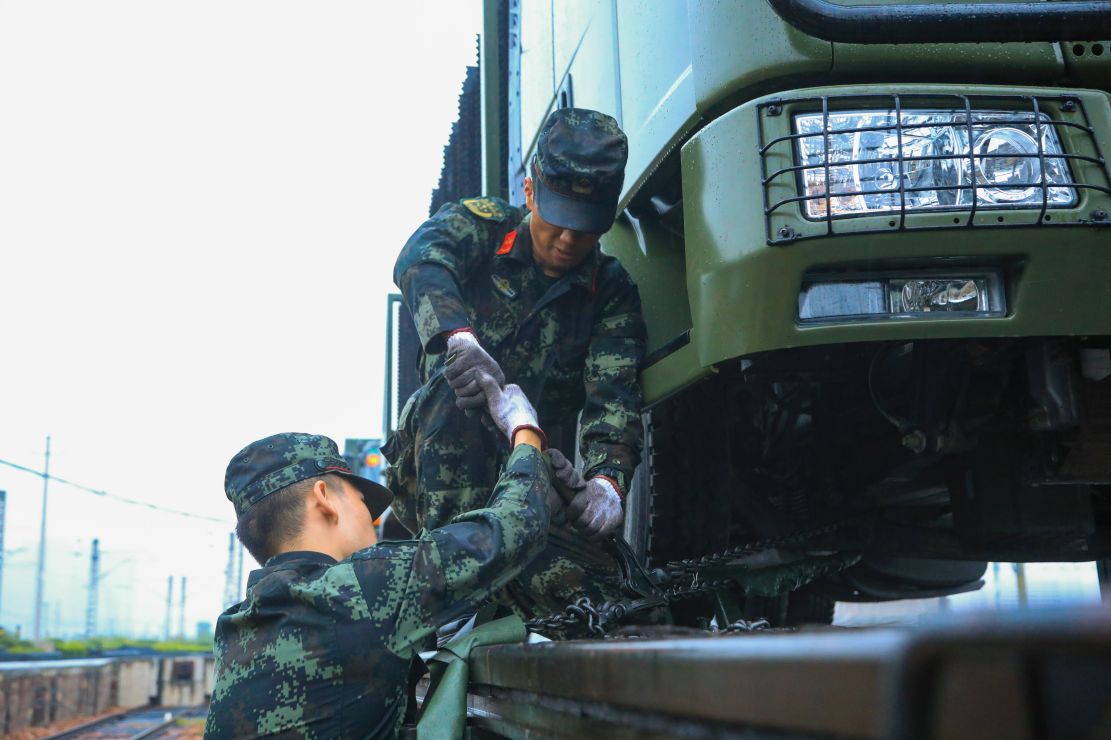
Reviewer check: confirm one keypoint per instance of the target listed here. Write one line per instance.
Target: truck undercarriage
(927, 458)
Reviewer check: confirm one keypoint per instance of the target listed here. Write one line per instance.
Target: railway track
(148, 722)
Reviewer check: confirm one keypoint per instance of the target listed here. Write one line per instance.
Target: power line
(114, 497)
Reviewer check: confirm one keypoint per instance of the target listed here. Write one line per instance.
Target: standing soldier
(526, 295)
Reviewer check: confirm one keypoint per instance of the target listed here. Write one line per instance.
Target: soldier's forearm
(518, 507)
(482, 550)
(436, 303)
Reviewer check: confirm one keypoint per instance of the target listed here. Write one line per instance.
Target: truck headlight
(937, 158)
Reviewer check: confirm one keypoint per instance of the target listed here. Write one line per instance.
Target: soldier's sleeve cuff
(613, 482)
(537, 430)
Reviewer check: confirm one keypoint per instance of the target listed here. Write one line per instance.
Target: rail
(136, 724)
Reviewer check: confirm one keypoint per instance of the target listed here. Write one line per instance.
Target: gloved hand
(508, 406)
(567, 477)
(465, 359)
(565, 471)
(596, 510)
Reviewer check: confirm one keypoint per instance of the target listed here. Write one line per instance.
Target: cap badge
(582, 186)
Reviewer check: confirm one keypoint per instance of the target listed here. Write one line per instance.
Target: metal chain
(582, 611)
(743, 625)
(596, 619)
(694, 565)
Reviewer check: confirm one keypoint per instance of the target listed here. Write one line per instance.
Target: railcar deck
(1018, 675)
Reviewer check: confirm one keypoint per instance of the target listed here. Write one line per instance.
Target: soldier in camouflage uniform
(324, 643)
(526, 295)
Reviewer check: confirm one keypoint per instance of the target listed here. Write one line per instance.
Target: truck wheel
(688, 477)
(795, 609)
(638, 507)
(807, 607)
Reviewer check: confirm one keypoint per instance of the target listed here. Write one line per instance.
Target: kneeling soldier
(324, 642)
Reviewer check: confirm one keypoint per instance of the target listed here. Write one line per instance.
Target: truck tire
(807, 607)
(688, 476)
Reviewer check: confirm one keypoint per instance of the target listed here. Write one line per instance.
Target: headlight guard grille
(783, 168)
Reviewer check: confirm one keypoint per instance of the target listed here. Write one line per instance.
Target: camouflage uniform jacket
(575, 343)
(321, 649)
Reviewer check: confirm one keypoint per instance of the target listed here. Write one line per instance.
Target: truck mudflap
(1016, 675)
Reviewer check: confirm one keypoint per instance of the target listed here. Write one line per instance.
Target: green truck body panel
(744, 294)
(665, 68)
(753, 51)
(951, 430)
(684, 79)
(673, 373)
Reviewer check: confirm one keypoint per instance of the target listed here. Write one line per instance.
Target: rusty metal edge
(828, 681)
(862, 683)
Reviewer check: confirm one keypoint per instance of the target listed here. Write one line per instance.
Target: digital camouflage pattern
(321, 649)
(569, 567)
(280, 460)
(458, 452)
(572, 344)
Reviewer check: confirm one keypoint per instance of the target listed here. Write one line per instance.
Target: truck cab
(873, 247)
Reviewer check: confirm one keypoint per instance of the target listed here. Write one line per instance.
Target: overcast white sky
(200, 204)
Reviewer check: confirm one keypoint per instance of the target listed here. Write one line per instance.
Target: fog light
(921, 296)
(902, 296)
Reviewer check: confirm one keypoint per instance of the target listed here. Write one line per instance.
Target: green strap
(444, 714)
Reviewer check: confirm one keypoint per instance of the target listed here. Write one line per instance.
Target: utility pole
(239, 577)
(94, 590)
(42, 545)
(181, 618)
(169, 604)
(229, 573)
(3, 514)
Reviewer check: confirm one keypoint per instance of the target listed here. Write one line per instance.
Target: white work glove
(596, 510)
(565, 471)
(465, 359)
(509, 407)
(569, 478)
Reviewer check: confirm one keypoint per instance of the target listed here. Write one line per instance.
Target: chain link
(693, 566)
(582, 611)
(596, 619)
(743, 625)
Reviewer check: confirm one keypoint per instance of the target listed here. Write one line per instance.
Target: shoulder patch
(486, 208)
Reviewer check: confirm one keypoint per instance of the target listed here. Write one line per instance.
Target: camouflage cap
(280, 460)
(579, 168)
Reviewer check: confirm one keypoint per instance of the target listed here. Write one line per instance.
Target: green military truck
(873, 246)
